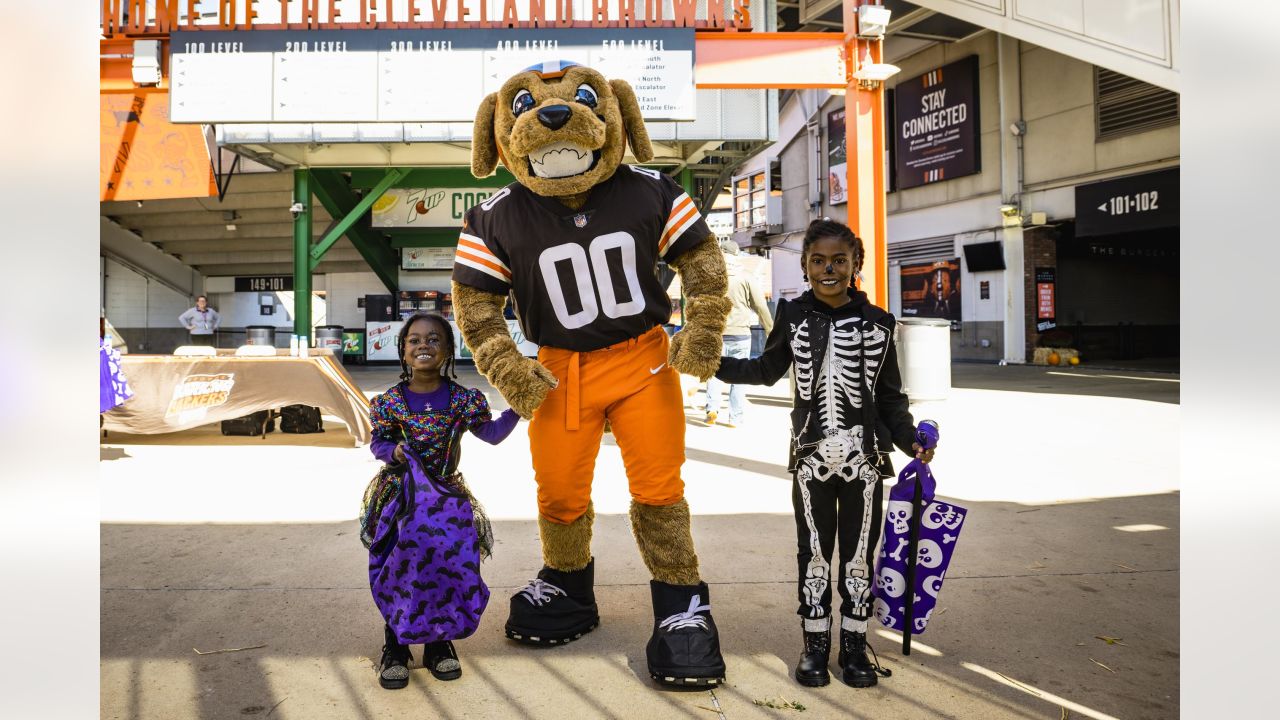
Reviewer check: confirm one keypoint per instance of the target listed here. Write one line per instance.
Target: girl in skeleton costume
(849, 412)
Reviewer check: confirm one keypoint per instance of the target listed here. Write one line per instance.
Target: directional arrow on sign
(1103, 208)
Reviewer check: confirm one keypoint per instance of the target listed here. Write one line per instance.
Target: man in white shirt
(201, 321)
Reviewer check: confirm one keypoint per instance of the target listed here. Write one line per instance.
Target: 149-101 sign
(264, 283)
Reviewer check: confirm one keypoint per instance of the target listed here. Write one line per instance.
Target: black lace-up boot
(393, 669)
(555, 608)
(858, 670)
(812, 668)
(684, 649)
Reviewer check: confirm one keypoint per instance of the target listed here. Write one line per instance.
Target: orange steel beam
(865, 151)
(124, 149)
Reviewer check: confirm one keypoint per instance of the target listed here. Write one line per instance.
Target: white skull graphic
(883, 614)
(891, 582)
(900, 516)
(933, 584)
(942, 515)
(929, 554)
(920, 622)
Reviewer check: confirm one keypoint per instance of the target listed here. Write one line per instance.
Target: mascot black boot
(857, 670)
(560, 605)
(556, 608)
(685, 647)
(812, 671)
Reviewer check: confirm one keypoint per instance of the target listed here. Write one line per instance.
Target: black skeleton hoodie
(847, 382)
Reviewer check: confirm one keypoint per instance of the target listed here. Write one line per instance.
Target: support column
(302, 254)
(865, 153)
(1016, 274)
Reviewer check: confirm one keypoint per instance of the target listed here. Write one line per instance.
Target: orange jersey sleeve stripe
(473, 253)
(476, 246)
(677, 226)
(483, 266)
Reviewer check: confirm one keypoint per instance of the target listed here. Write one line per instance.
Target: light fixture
(146, 62)
(870, 75)
(1018, 128)
(873, 20)
(139, 203)
(231, 227)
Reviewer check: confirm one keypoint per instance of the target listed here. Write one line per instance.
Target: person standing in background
(748, 305)
(201, 321)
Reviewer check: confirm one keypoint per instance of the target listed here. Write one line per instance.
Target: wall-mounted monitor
(980, 257)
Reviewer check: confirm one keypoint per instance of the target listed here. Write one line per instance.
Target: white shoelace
(688, 618)
(540, 592)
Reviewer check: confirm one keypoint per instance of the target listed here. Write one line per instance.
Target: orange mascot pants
(629, 383)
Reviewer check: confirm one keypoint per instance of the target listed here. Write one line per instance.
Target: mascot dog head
(559, 127)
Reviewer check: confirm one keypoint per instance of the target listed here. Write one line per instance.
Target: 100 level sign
(1137, 202)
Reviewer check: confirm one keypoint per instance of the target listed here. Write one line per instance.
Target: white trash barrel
(924, 357)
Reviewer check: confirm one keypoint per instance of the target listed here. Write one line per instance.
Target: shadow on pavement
(1031, 596)
(1079, 380)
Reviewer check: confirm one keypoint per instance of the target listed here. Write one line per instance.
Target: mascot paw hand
(527, 386)
(696, 351)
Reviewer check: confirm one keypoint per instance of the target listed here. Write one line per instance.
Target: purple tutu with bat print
(424, 561)
(940, 525)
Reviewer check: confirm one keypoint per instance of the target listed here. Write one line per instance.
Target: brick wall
(1040, 250)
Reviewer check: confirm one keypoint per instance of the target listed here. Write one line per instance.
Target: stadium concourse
(1061, 600)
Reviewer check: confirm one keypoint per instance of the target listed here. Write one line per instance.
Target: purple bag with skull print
(938, 529)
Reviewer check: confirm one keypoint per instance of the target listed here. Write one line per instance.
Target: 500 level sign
(264, 283)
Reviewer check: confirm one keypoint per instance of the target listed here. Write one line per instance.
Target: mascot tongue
(561, 159)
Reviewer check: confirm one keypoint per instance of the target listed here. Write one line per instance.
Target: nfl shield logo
(580, 220)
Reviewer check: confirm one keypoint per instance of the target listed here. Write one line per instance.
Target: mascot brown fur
(562, 130)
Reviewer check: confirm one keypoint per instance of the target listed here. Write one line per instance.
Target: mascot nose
(555, 116)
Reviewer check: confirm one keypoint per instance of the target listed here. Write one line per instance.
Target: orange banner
(144, 156)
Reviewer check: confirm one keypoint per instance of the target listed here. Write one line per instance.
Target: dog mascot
(576, 243)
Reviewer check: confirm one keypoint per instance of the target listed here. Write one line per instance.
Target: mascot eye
(586, 95)
(523, 102)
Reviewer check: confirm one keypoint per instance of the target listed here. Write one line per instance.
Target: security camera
(297, 209)
(1018, 128)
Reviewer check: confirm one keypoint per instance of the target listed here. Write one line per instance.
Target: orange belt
(572, 391)
(572, 398)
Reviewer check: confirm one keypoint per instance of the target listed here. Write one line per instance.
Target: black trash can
(260, 335)
(329, 336)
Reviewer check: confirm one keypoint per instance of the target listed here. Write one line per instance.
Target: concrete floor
(1070, 477)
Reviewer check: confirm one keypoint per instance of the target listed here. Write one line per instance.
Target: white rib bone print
(802, 351)
(841, 374)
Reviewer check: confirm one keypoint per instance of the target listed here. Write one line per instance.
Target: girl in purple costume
(426, 411)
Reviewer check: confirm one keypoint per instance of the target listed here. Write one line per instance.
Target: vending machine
(412, 301)
(382, 325)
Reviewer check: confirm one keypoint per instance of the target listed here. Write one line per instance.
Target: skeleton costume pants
(827, 504)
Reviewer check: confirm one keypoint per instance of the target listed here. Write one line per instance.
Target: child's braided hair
(448, 369)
